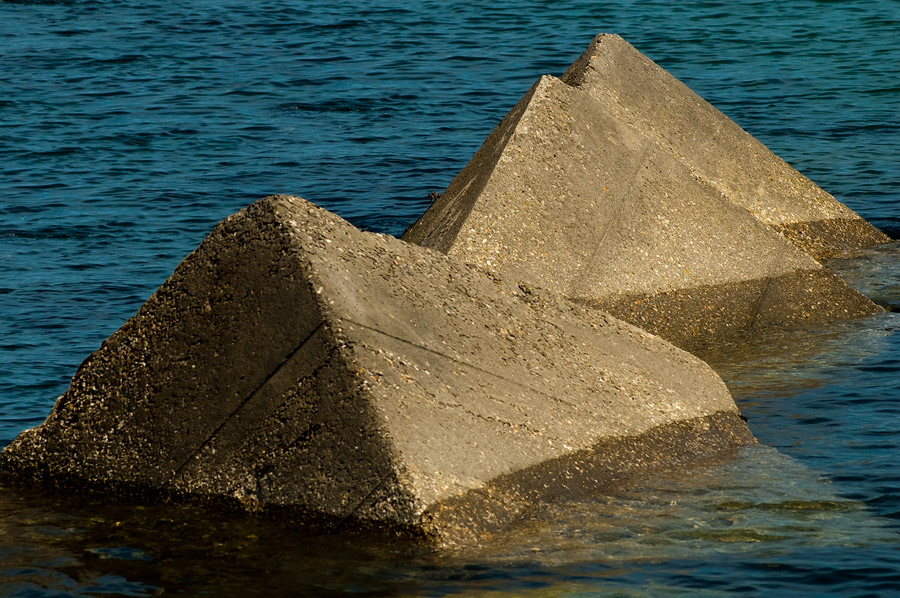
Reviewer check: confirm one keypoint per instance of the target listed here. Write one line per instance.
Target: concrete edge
(843, 235)
(685, 317)
(478, 515)
(441, 222)
(575, 74)
(468, 520)
(821, 239)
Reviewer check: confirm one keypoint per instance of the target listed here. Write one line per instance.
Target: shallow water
(761, 521)
(127, 130)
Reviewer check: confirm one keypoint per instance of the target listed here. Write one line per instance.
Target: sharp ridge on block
(593, 200)
(367, 425)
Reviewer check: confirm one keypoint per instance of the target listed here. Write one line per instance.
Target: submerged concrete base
(632, 87)
(294, 362)
(704, 316)
(587, 473)
(831, 237)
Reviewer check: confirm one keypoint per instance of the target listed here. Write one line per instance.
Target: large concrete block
(717, 151)
(572, 197)
(293, 362)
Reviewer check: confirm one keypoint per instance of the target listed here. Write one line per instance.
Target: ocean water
(127, 130)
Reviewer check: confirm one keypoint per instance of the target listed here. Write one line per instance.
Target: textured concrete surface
(292, 362)
(632, 87)
(569, 196)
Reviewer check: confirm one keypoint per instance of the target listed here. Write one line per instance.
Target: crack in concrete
(767, 289)
(237, 409)
(381, 484)
(618, 212)
(490, 419)
(465, 364)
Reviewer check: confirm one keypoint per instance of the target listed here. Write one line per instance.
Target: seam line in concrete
(767, 289)
(619, 209)
(237, 409)
(381, 484)
(463, 363)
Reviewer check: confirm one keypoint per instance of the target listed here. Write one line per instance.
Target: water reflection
(873, 271)
(761, 502)
(761, 506)
(785, 363)
(813, 512)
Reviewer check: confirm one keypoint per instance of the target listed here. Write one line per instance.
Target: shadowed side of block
(228, 318)
(294, 363)
(702, 316)
(583, 204)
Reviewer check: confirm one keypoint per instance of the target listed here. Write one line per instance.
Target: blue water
(128, 129)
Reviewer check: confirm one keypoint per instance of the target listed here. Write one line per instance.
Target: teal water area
(128, 129)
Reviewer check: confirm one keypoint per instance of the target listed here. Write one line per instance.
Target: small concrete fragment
(294, 362)
(634, 88)
(567, 196)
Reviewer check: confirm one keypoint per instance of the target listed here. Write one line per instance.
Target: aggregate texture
(571, 197)
(293, 362)
(716, 149)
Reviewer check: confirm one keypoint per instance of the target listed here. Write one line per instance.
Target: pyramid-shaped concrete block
(634, 88)
(568, 196)
(295, 362)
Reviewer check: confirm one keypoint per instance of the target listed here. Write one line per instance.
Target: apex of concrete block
(571, 196)
(294, 362)
(716, 149)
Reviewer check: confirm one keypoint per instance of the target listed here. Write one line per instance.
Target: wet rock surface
(292, 362)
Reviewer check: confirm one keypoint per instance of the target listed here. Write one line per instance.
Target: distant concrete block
(717, 151)
(570, 196)
(293, 362)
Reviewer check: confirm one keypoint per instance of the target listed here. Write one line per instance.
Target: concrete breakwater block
(570, 196)
(294, 362)
(717, 151)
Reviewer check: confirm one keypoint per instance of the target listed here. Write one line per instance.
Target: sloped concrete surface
(634, 88)
(294, 362)
(568, 196)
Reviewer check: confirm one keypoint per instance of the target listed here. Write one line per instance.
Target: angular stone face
(569, 196)
(294, 362)
(632, 87)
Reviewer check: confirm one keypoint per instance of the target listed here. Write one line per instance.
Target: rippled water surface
(128, 129)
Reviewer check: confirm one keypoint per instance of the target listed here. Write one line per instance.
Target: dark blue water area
(127, 130)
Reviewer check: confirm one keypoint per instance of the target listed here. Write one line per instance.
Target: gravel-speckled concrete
(572, 197)
(634, 88)
(294, 362)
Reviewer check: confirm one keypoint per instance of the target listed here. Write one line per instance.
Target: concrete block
(570, 196)
(716, 150)
(295, 364)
